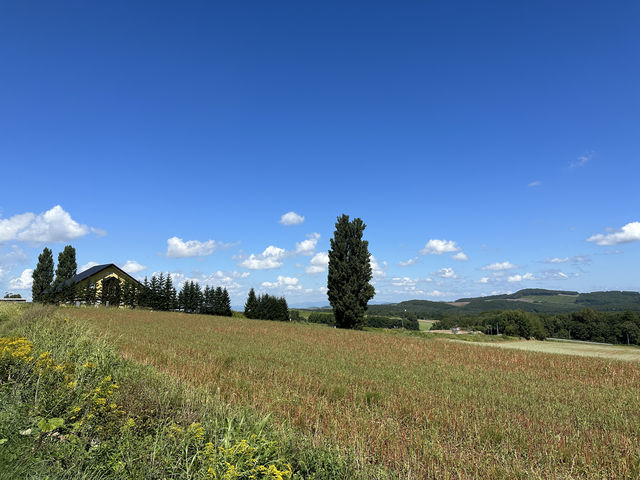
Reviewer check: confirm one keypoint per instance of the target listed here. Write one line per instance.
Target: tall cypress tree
(67, 268)
(348, 286)
(42, 276)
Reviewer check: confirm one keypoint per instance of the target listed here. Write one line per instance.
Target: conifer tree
(348, 286)
(42, 276)
(67, 268)
(226, 304)
(251, 305)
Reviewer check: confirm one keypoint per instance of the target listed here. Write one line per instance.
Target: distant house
(108, 280)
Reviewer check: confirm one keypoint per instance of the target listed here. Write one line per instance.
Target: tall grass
(71, 407)
(424, 407)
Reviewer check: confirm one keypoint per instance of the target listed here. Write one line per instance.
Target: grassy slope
(424, 407)
(116, 419)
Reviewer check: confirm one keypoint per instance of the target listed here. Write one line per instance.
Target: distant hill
(530, 300)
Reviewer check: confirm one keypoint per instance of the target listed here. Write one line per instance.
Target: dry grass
(428, 408)
(614, 352)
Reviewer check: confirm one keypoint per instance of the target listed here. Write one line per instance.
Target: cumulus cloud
(308, 246)
(379, 270)
(289, 283)
(498, 266)
(438, 247)
(411, 261)
(318, 263)
(446, 273)
(54, 225)
(87, 266)
(460, 256)
(436, 293)
(627, 234)
(228, 280)
(519, 278)
(484, 280)
(291, 218)
(270, 258)
(132, 267)
(177, 248)
(23, 282)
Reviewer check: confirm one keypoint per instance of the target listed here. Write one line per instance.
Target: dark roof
(92, 271)
(95, 269)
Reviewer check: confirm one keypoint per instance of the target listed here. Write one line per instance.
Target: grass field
(425, 325)
(424, 407)
(614, 352)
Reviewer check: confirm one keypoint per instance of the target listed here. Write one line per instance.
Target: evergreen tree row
(266, 307)
(46, 288)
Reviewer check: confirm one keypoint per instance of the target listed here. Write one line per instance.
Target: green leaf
(3, 440)
(48, 425)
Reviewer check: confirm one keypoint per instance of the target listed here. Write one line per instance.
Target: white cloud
(318, 263)
(308, 246)
(411, 261)
(446, 273)
(499, 266)
(87, 266)
(289, 283)
(54, 225)
(24, 281)
(438, 247)
(378, 270)
(133, 267)
(9, 227)
(460, 256)
(436, 293)
(554, 275)
(219, 278)
(519, 278)
(270, 258)
(629, 233)
(484, 280)
(15, 257)
(582, 160)
(177, 248)
(535, 183)
(557, 260)
(291, 218)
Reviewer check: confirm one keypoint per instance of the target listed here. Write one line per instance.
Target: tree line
(266, 307)
(586, 324)
(409, 322)
(157, 293)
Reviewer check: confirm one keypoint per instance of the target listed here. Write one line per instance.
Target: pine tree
(63, 289)
(226, 304)
(350, 272)
(42, 276)
(251, 305)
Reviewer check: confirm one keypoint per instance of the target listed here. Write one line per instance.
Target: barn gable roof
(97, 269)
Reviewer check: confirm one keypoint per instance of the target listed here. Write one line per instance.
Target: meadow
(422, 407)
(614, 352)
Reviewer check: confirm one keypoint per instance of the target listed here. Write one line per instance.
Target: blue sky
(175, 137)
